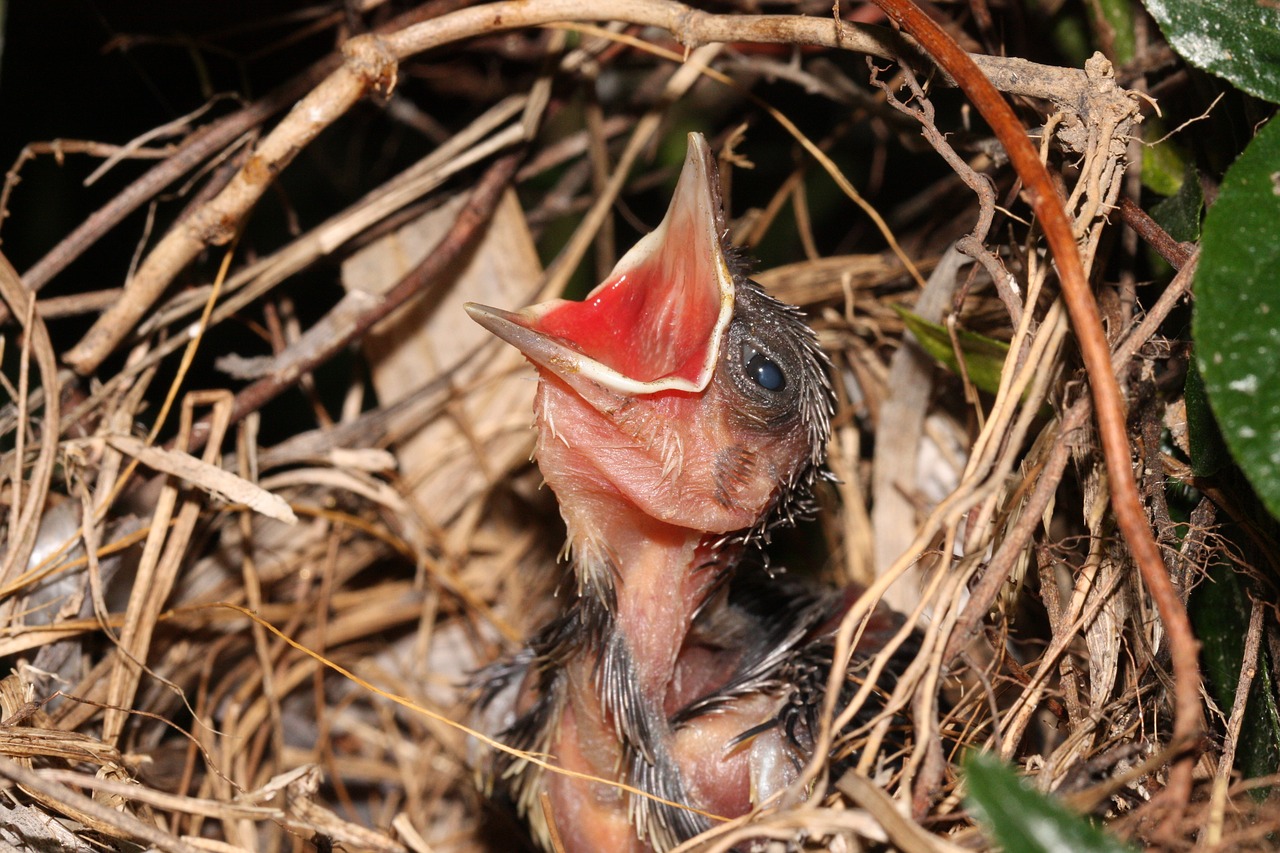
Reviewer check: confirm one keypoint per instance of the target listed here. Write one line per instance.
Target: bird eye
(762, 370)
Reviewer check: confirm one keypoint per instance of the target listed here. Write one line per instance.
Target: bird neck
(642, 582)
(653, 576)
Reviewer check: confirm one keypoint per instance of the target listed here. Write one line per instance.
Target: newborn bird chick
(681, 413)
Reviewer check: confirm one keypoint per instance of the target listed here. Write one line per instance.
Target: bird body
(682, 413)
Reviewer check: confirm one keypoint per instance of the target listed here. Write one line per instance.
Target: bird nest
(281, 506)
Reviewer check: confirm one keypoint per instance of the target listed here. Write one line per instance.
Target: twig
(77, 303)
(972, 243)
(316, 349)
(1148, 229)
(905, 834)
(199, 146)
(984, 593)
(371, 61)
(60, 148)
(994, 574)
(123, 821)
(191, 152)
(367, 66)
(1221, 779)
(1108, 402)
(158, 568)
(22, 534)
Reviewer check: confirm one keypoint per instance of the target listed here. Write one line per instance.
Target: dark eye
(762, 370)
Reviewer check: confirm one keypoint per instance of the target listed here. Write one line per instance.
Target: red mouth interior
(655, 320)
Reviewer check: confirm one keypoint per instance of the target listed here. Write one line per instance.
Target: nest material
(216, 641)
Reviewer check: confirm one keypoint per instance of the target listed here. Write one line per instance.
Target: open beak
(657, 322)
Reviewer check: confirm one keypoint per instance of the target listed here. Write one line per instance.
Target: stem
(1108, 402)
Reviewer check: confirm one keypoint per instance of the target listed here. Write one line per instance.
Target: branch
(25, 524)
(215, 223)
(352, 318)
(195, 149)
(1108, 403)
(371, 62)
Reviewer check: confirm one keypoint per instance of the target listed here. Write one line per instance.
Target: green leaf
(1219, 611)
(1022, 820)
(1237, 314)
(1235, 39)
(1118, 18)
(983, 357)
(1208, 452)
(1179, 214)
(1164, 161)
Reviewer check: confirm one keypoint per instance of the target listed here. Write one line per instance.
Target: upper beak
(658, 321)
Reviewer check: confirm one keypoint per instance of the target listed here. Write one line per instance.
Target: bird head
(677, 389)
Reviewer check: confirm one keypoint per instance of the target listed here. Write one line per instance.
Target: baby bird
(682, 413)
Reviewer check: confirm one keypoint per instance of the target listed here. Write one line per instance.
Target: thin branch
(1177, 254)
(22, 534)
(1108, 402)
(371, 62)
(334, 333)
(121, 820)
(194, 150)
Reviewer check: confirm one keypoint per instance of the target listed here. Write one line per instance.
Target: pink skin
(654, 530)
(606, 471)
(651, 462)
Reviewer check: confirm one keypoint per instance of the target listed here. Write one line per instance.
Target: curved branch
(22, 534)
(370, 61)
(194, 150)
(350, 319)
(366, 65)
(1108, 402)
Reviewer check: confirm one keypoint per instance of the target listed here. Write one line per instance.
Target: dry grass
(214, 644)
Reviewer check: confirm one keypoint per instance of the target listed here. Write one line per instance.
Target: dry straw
(215, 645)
